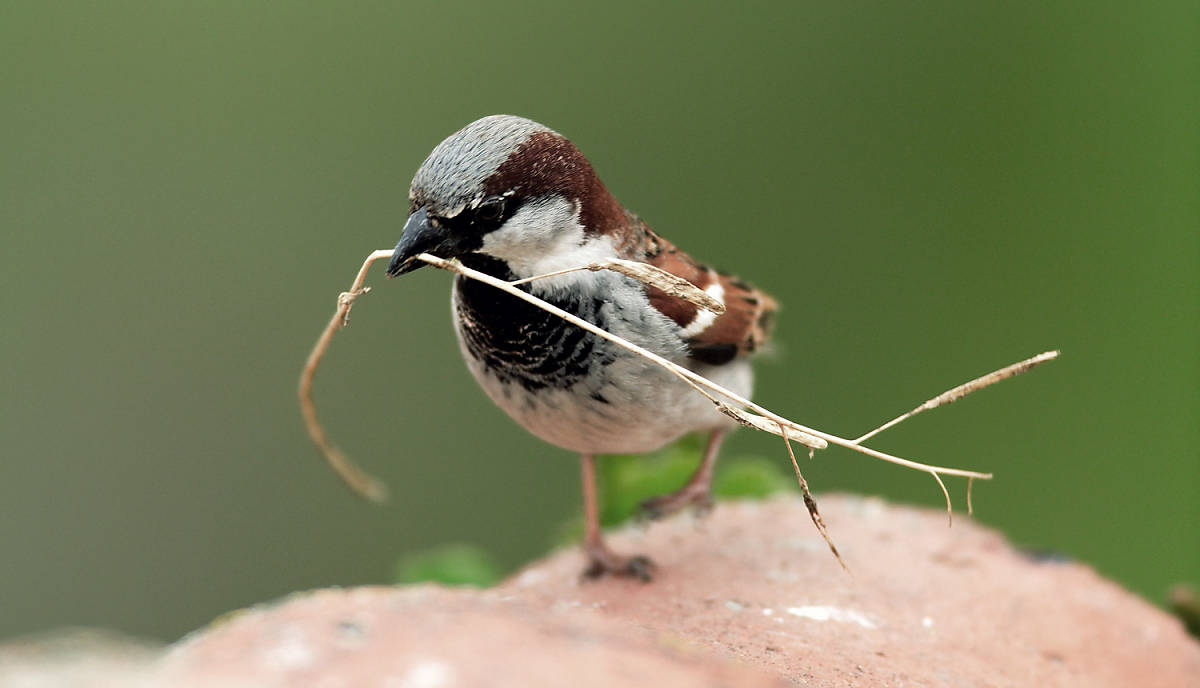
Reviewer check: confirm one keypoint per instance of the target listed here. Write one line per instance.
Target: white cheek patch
(535, 228)
(545, 235)
(705, 317)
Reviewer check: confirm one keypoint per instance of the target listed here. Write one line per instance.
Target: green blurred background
(931, 189)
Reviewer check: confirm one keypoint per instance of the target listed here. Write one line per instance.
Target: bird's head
(505, 187)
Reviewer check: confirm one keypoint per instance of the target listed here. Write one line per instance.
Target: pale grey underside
(644, 408)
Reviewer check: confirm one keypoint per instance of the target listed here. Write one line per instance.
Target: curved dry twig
(726, 401)
(350, 474)
(810, 502)
(699, 380)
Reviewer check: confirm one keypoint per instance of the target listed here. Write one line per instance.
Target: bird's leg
(602, 560)
(698, 490)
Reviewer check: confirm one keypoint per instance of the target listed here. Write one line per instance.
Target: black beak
(420, 235)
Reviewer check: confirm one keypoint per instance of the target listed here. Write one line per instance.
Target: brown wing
(714, 339)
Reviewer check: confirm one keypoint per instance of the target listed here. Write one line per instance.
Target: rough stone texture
(748, 597)
(925, 605)
(425, 637)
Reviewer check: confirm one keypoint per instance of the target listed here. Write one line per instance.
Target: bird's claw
(656, 508)
(638, 566)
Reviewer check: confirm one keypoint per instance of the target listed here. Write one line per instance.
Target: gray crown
(454, 174)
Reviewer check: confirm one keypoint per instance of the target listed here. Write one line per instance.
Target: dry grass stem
(946, 494)
(759, 423)
(646, 274)
(350, 474)
(953, 395)
(741, 409)
(809, 502)
(686, 374)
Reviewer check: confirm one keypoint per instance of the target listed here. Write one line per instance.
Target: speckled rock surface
(748, 597)
(925, 604)
(426, 636)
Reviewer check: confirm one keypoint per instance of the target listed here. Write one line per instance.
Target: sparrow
(514, 199)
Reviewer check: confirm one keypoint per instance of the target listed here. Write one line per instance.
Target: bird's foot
(604, 562)
(698, 497)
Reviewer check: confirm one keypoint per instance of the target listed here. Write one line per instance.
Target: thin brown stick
(351, 474)
(645, 273)
(759, 423)
(761, 418)
(809, 502)
(949, 506)
(680, 371)
(952, 395)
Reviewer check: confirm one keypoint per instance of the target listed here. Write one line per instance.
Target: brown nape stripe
(550, 164)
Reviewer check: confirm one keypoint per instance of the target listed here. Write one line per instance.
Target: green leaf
(627, 481)
(751, 478)
(449, 564)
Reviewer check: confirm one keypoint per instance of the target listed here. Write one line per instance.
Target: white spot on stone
(430, 673)
(825, 613)
(531, 578)
(289, 652)
(735, 606)
(768, 612)
(927, 622)
(873, 507)
(563, 606)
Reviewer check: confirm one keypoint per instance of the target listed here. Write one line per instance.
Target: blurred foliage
(749, 477)
(625, 481)
(1185, 603)
(930, 189)
(449, 564)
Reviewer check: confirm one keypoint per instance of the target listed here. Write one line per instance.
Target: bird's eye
(491, 209)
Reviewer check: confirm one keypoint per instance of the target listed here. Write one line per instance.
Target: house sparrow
(514, 199)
